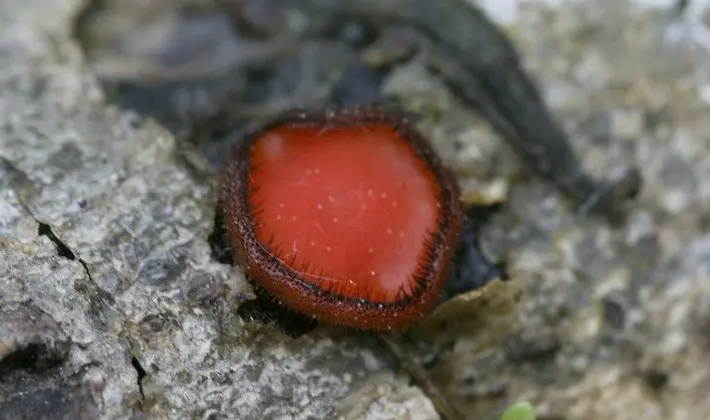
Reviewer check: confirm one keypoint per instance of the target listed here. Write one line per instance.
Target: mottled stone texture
(111, 306)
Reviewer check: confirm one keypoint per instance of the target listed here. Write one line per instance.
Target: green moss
(522, 410)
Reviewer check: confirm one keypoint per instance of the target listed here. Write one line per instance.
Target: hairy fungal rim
(278, 279)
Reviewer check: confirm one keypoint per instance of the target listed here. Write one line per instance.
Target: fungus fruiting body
(347, 215)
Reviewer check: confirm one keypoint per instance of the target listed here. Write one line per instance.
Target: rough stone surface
(104, 221)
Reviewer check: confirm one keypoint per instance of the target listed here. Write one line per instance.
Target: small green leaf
(522, 410)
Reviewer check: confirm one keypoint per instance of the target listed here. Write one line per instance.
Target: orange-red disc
(347, 216)
(350, 208)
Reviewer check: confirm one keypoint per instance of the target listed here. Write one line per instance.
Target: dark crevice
(217, 239)
(62, 249)
(141, 374)
(34, 358)
(471, 268)
(97, 292)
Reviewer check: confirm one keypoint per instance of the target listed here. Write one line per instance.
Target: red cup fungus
(346, 215)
